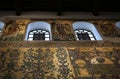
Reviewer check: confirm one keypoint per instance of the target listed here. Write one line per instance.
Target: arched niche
(87, 26)
(38, 25)
(1, 26)
(117, 24)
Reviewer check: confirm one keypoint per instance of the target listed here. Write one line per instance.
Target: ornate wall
(63, 57)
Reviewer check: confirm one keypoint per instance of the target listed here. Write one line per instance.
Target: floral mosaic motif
(30, 64)
(79, 64)
(14, 30)
(92, 62)
(59, 63)
(38, 64)
(62, 31)
(64, 70)
(9, 63)
(109, 30)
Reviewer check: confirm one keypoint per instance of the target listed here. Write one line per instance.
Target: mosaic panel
(60, 63)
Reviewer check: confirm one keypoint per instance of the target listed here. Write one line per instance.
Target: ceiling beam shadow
(95, 13)
(18, 12)
(59, 8)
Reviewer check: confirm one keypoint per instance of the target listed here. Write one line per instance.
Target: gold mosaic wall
(61, 58)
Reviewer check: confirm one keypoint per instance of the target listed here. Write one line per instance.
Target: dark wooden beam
(95, 8)
(18, 5)
(59, 13)
(95, 13)
(59, 7)
(18, 12)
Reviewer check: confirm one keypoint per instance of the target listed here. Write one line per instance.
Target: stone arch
(38, 25)
(87, 26)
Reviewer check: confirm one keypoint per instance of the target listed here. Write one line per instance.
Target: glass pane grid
(30, 36)
(31, 33)
(92, 38)
(38, 30)
(47, 33)
(90, 35)
(34, 31)
(43, 31)
(85, 31)
(82, 34)
(30, 39)
(39, 35)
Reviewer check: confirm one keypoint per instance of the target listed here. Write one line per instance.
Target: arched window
(39, 34)
(39, 30)
(117, 24)
(1, 26)
(82, 34)
(86, 31)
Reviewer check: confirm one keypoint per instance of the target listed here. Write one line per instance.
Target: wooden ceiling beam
(95, 13)
(18, 5)
(59, 7)
(18, 12)
(95, 9)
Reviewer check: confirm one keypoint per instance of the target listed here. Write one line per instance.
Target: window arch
(86, 30)
(1, 26)
(82, 34)
(39, 30)
(117, 24)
